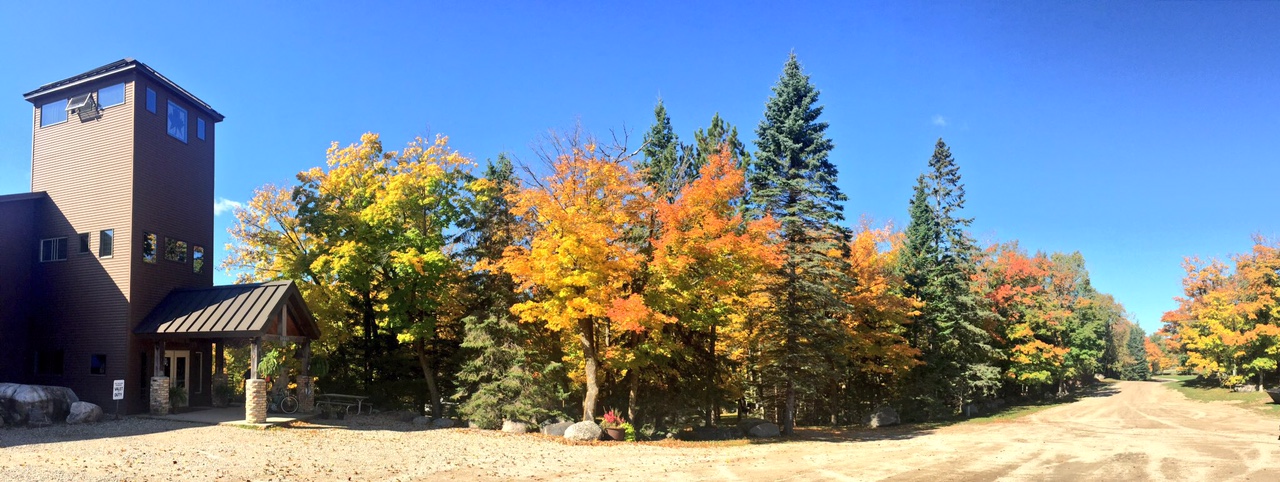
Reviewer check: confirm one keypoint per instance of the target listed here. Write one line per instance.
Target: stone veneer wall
(255, 400)
(159, 395)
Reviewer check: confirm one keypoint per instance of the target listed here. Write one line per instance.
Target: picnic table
(346, 402)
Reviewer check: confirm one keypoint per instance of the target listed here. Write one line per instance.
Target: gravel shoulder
(1142, 431)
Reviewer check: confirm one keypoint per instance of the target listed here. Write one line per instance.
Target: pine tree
(511, 372)
(938, 266)
(667, 164)
(720, 133)
(793, 180)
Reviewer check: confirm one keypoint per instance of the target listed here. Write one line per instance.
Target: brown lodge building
(106, 265)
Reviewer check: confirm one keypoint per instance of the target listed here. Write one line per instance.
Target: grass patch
(1200, 391)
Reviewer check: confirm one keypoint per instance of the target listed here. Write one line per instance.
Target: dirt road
(1143, 431)
(1140, 431)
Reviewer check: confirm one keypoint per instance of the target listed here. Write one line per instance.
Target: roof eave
(127, 65)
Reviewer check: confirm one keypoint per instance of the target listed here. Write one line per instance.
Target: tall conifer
(793, 180)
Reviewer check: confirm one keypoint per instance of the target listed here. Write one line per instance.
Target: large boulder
(421, 421)
(37, 418)
(84, 412)
(19, 400)
(882, 417)
(583, 431)
(764, 430)
(746, 423)
(442, 423)
(511, 426)
(557, 429)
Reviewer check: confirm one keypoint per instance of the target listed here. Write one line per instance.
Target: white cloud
(223, 205)
(939, 121)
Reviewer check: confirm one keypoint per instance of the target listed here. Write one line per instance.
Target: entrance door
(176, 367)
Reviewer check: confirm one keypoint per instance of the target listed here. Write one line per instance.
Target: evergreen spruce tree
(511, 370)
(1137, 368)
(938, 264)
(707, 142)
(668, 165)
(793, 180)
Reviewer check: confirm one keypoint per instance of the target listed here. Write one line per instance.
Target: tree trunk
(427, 363)
(633, 409)
(587, 335)
(713, 391)
(369, 325)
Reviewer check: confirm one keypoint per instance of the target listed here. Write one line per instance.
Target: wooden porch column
(158, 361)
(219, 358)
(255, 349)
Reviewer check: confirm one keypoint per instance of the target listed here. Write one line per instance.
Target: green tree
(939, 264)
(667, 164)
(793, 180)
(510, 370)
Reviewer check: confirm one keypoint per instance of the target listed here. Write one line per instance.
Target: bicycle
(282, 403)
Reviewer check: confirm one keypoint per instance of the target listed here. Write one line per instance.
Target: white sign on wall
(117, 390)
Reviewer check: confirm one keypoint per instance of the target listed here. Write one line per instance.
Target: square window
(175, 250)
(84, 243)
(177, 122)
(53, 113)
(200, 128)
(106, 243)
(197, 259)
(151, 100)
(109, 96)
(53, 249)
(149, 247)
(97, 364)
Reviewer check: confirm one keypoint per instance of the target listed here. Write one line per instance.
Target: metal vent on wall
(84, 106)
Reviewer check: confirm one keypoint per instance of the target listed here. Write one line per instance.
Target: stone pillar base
(160, 395)
(306, 398)
(255, 400)
(219, 385)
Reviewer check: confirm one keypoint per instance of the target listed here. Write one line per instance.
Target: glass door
(176, 368)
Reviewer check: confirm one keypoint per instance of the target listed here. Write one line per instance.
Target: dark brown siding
(20, 252)
(86, 169)
(173, 198)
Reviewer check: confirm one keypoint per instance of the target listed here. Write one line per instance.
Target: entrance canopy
(263, 311)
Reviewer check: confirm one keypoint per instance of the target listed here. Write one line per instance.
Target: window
(53, 249)
(53, 113)
(177, 122)
(84, 243)
(197, 259)
(97, 364)
(151, 100)
(109, 96)
(49, 362)
(200, 128)
(175, 250)
(149, 247)
(106, 243)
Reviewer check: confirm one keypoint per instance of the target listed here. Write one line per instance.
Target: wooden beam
(289, 339)
(254, 349)
(306, 357)
(158, 359)
(219, 359)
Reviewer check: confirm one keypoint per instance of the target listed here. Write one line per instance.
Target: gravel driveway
(1143, 431)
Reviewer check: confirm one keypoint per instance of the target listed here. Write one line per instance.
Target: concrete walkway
(231, 416)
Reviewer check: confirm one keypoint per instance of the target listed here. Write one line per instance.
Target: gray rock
(557, 429)
(84, 412)
(514, 427)
(442, 423)
(704, 434)
(882, 417)
(37, 418)
(764, 430)
(421, 421)
(583, 431)
(747, 423)
(18, 400)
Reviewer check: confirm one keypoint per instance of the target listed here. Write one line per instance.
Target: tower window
(149, 247)
(53, 113)
(53, 249)
(175, 250)
(109, 96)
(197, 259)
(97, 364)
(177, 122)
(84, 243)
(151, 100)
(106, 243)
(200, 128)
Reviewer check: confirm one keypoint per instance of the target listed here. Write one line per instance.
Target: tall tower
(126, 159)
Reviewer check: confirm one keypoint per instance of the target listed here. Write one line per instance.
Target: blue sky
(1136, 133)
